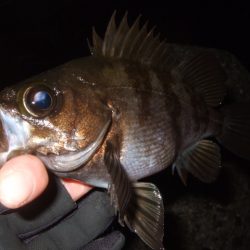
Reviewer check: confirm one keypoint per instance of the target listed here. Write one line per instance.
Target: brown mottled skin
(153, 115)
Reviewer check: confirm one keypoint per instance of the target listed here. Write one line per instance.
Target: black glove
(54, 221)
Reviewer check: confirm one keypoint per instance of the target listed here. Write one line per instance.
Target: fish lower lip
(3, 139)
(73, 160)
(14, 135)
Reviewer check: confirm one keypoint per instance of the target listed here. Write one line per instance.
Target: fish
(127, 111)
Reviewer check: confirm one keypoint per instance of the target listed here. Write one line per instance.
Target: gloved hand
(54, 221)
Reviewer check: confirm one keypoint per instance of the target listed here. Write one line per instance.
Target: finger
(44, 212)
(22, 179)
(75, 188)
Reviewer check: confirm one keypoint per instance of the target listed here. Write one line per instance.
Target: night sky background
(39, 35)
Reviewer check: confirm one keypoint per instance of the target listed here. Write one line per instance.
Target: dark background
(38, 35)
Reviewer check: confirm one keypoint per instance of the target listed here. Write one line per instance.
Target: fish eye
(39, 100)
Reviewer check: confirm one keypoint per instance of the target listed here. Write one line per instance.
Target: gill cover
(88, 120)
(73, 160)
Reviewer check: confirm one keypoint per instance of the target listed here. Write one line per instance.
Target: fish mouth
(15, 133)
(73, 160)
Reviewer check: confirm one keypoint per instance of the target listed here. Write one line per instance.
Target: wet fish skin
(151, 113)
(154, 112)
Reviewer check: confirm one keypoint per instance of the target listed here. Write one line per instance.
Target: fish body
(153, 115)
(124, 113)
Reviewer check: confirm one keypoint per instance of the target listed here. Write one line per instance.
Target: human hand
(24, 178)
(52, 220)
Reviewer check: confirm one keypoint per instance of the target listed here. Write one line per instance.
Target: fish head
(58, 117)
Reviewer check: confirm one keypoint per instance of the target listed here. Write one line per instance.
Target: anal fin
(139, 204)
(182, 172)
(202, 160)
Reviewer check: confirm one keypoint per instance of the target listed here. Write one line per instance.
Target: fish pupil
(41, 100)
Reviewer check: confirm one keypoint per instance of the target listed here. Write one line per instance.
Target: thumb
(22, 179)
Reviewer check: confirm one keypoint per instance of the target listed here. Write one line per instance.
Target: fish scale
(146, 152)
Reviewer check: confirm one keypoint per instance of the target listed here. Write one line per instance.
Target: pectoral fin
(139, 204)
(120, 187)
(202, 160)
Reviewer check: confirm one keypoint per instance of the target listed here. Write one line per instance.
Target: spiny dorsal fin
(132, 43)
